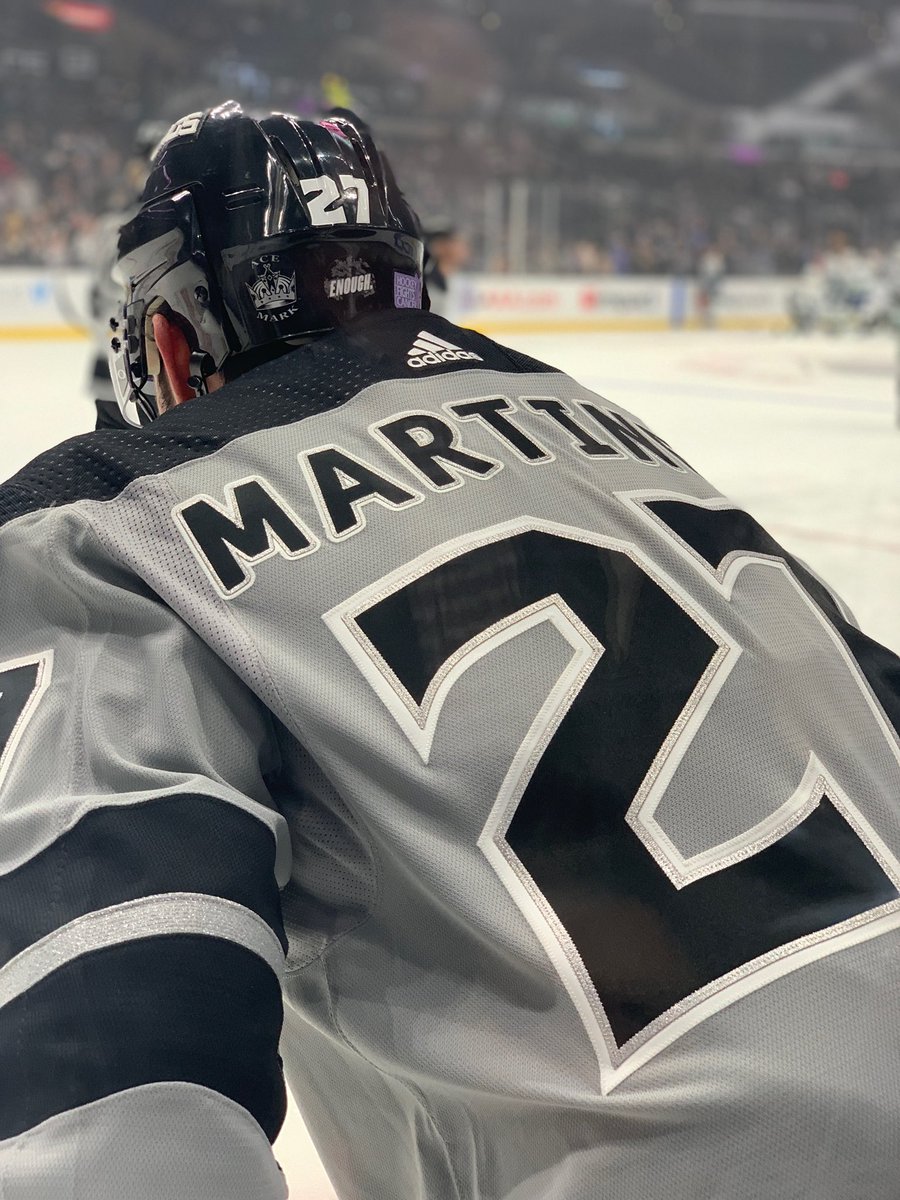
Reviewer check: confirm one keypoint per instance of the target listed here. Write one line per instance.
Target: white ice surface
(801, 432)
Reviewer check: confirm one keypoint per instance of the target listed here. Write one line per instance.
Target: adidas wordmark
(431, 351)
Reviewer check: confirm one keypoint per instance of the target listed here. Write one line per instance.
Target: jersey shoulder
(313, 379)
(416, 344)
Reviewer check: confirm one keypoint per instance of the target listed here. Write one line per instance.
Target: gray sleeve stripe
(177, 912)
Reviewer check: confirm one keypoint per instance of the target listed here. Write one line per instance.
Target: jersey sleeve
(141, 940)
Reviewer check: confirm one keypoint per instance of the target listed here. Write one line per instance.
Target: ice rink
(801, 432)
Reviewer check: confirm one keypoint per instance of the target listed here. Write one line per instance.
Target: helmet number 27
(690, 778)
(326, 201)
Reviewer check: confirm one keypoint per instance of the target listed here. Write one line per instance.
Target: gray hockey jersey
(412, 714)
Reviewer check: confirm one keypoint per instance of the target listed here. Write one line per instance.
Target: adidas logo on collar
(430, 351)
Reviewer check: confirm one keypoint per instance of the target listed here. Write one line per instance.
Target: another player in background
(105, 295)
(842, 290)
(402, 689)
(712, 269)
(448, 251)
(104, 301)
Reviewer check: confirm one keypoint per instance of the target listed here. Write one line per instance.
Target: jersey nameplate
(253, 522)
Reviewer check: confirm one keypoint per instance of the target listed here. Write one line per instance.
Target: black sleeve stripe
(183, 1008)
(881, 668)
(173, 913)
(187, 843)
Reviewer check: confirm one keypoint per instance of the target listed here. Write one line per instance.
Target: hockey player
(105, 294)
(104, 300)
(447, 252)
(398, 698)
(712, 270)
(841, 291)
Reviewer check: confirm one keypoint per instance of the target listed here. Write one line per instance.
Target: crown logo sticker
(273, 292)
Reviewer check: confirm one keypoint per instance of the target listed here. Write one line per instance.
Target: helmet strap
(202, 366)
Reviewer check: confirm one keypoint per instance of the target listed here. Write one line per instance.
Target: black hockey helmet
(253, 232)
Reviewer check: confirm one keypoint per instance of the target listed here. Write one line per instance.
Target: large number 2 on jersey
(684, 820)
(22, 683)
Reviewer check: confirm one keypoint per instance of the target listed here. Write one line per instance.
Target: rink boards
(54, 303)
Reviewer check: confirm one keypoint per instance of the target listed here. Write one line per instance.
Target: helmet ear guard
(258, 233)
(129, 364)
(171, 270)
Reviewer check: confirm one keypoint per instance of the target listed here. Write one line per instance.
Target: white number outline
(44, 663)
(419, 724)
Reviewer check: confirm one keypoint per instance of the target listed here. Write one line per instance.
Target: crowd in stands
(658, 222)
(610, 171)
(48, 210)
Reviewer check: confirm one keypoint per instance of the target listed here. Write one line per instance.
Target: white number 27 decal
(326, 202)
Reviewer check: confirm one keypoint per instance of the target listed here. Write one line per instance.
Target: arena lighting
(81, 14)
(746, 154)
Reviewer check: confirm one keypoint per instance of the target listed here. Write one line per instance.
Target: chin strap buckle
(202, 365)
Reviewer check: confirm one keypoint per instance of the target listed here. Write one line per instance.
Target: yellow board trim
(42, 333)
(70, 333)
(623, 325)
(561, 325)
(777, 324)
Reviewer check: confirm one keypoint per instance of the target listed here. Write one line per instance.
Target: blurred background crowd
(591, 136)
